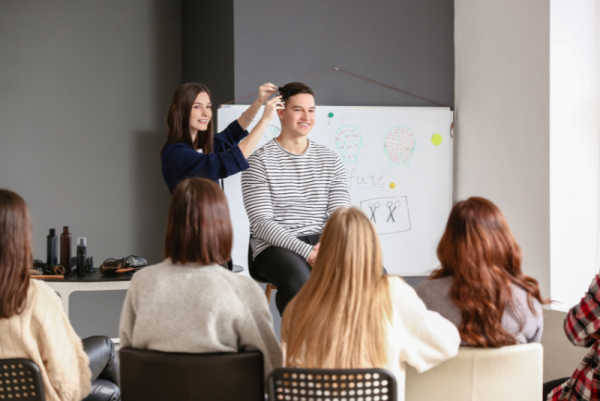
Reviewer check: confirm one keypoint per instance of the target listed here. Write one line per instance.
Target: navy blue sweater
(181, 161)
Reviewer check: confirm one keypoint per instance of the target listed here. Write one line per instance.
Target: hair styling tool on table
(131, 263)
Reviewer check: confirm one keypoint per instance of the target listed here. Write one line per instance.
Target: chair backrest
(297, 384)
(20, 379)
(509, 373)
(151, 375)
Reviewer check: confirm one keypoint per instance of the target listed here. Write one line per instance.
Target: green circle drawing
(436, 139)
(330, 115)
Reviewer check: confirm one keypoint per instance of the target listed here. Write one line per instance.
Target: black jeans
(285, 269)
(105, 369)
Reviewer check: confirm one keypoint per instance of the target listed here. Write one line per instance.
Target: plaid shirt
(581, 323)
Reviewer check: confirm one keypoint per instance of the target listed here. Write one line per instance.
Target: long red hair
(16, 254)
(480, 252)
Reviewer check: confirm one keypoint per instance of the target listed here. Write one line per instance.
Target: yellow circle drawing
(436, 139)
(392, 185)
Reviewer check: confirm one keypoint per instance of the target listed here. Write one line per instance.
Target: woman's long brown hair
(479, 251)
(178, 119)
(16, 256)
(340, 317)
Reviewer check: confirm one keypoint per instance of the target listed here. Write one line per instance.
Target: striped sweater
(288, 195)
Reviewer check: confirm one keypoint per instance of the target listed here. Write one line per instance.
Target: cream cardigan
(42, 333)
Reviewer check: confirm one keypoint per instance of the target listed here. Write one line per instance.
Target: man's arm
(259, 207)
(338, 192)
(583, 320)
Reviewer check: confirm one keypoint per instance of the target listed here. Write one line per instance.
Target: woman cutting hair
(192, 150)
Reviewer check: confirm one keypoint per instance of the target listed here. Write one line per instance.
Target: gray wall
(406, 44)
(84, 91)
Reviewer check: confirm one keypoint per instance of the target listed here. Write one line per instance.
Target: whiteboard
(399, 166)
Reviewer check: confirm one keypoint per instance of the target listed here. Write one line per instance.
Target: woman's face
(201, 113)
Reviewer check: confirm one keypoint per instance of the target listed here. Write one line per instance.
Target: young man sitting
(290, 189)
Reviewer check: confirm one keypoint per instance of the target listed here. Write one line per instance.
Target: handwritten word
(355, 179)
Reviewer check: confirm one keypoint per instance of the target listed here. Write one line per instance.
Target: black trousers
(285, 269)
(105, 369)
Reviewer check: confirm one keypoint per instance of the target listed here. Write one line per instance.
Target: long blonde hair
(339, 319)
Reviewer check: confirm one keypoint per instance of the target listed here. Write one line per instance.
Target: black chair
(159, 376)
(257, 277)
(297, 384)
(20, 379)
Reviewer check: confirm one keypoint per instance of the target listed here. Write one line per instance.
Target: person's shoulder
(176, 147)
(521, 298)
(264, 151)
(40, 293)
(323, 150)
(150, 273)
(246, 288)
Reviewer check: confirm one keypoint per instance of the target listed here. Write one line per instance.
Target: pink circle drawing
(399, 143)
(348, 140)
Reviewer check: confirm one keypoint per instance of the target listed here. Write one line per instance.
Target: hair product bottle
(81, 256)
(51, 247)
(65, 249)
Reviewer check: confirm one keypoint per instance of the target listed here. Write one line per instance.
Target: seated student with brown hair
(351, 315)
(189, 302)
(34, 326)
(480, 286)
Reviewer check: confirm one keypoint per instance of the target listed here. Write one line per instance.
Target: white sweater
(416, 336)
(197, 309)
(42, 333)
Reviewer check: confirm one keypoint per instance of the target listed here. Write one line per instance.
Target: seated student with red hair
(190, 302)
(480, 286)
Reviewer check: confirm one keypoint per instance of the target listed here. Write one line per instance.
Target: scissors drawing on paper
(373, 207)
(395, 205)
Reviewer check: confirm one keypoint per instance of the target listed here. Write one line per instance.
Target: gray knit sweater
(195, 309)
(436, 295)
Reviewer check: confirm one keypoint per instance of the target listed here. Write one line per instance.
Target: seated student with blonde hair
(350, 315)
(480, 286)
(189, 302)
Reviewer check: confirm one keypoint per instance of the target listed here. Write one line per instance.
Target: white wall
(574, 147)
(502, 128)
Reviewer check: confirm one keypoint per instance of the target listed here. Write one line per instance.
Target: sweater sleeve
(338, 193)
(583, 320)
(128, 315)
(61, 350)
(180, 161)
(429, 339)
(257, 330)
(259, 207)
(229, 138)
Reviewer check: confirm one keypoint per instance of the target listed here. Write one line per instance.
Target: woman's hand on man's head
(265, 91)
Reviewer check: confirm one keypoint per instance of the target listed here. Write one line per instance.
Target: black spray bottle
(51, 247)
(81, 256)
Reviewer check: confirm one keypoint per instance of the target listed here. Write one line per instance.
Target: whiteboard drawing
(271, 132)
(390, 215)
(399, 144)
(373, 206)
(348, 141)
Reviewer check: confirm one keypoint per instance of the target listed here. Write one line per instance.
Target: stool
(258, 277)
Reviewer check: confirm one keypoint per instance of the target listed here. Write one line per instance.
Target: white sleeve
(429, 339)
